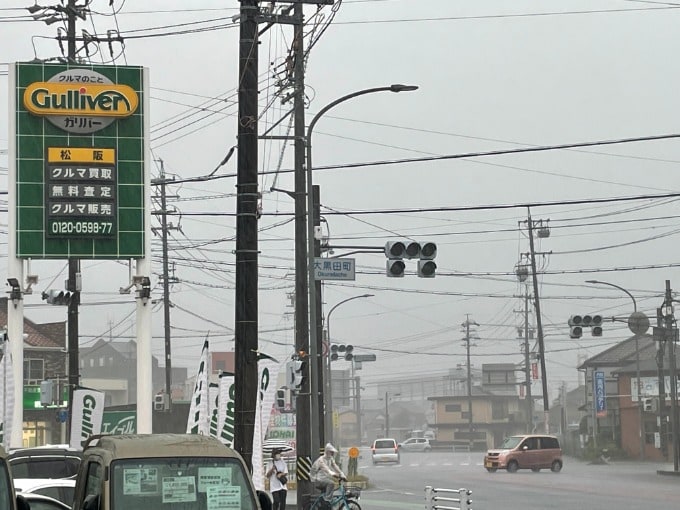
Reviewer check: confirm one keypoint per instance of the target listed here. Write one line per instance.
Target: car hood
(498, 450)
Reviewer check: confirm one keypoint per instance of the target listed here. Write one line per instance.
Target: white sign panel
(334, 269)
(650, 387)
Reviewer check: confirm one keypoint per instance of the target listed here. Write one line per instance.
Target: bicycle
(344, 498)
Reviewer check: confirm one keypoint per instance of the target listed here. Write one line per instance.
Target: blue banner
(600, 396)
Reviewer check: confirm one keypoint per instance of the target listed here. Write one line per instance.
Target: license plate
(489, 464)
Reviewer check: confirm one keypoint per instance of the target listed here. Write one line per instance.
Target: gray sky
(493, 75)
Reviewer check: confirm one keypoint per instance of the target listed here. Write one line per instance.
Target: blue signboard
(600, 396)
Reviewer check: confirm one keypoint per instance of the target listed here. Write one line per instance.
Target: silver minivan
(385, 450)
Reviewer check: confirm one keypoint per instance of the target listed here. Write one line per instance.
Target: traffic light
(342, 349)
(412, 250)
(57, 297)
(281, 399)
(46, 393)
(395, 251)
(596, 325)
(648, 404)
(426, 264)
(159, 402)
(575, 326)
(296, 373)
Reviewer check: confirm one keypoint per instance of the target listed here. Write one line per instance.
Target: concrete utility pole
(467, 325)
(662, 386)
(303, 405)
(246, 344)
(527, 367)
(74, 282)
(670, 338)
(539, 327)
(167, 280)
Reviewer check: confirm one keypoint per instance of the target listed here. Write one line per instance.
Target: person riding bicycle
(324, 471)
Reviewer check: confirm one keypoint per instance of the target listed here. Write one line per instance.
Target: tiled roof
(623, 353)
(51, 334)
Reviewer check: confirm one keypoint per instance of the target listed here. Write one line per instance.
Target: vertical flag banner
(213, 396)
(600, 395)
(268, 371)
(7, 399)
(87, 413)
(225, 409)
(199, 414)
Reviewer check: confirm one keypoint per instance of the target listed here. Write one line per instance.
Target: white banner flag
(6, 398)
(214, 397)
(87, 413)
(268, 371)
(225, 409)
(198, 421)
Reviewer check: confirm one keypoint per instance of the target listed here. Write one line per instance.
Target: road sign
(600, 396)
(364, 357)
(334, 269)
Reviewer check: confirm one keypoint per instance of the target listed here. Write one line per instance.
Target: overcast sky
(492, 75)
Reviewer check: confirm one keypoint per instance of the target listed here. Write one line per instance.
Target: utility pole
(467, 325)
(161, 182)
(662, 386)
(670, 338)
(318, 425)
(539, 328)
(246, 344)
(74, 282)
(303, 407)
(527, 367)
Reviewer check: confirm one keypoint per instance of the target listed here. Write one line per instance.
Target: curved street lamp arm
(617, 287)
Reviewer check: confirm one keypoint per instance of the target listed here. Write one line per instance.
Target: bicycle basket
(352, 491)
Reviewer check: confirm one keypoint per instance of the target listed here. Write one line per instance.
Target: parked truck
(164, 471)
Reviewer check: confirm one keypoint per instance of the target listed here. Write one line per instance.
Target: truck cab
(162, 472)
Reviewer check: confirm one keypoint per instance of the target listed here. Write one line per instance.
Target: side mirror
(22, 504)
(91, 502)
(525, 448)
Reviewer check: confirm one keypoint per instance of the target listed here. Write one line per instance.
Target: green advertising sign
(32, 398)
(80, 172)
(119, 422)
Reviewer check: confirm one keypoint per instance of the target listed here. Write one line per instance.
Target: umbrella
(275, 444)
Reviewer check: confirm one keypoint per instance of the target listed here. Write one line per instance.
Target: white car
(416, 444)
(61, 489)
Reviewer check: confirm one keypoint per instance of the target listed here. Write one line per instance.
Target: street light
(314, 383)
(637, 367)
(387, 412)
(328, 392)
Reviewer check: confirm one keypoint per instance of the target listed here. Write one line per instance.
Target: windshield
(188, 483)
(5, 487)
(510, 442)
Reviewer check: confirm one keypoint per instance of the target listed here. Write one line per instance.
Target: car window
(61, 493)
(49, 467)
(550, 442)
(384, 443)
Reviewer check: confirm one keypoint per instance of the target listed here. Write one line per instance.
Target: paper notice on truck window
(179, 489)
(140, 481)
(224, 498)
(208, 476)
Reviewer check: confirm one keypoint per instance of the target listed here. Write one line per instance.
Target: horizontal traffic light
(344, 350)
(57, 297)
(578, 322)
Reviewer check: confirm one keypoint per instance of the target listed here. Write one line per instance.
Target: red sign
(534, 370)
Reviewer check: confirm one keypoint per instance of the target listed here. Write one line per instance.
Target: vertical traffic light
(575, 326)
(426, 263)
(395, 251)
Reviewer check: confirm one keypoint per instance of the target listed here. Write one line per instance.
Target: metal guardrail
(448, 497)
